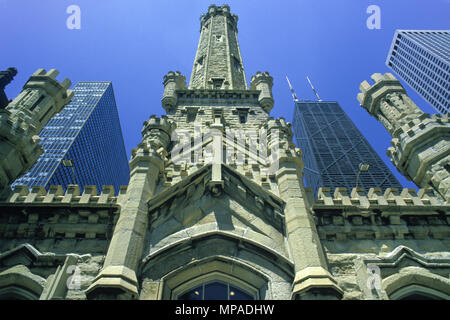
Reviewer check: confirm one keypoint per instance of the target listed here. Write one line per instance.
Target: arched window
(418, 292)
(216, 290)
(215, 286)
(17, 293)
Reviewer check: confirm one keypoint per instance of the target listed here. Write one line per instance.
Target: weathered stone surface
(20, 122)
(421, 144)
(220, 211)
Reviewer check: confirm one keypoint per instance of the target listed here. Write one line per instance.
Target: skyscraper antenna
(292, 90)
(314, 89)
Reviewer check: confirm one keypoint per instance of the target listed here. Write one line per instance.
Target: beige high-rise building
(216, 208)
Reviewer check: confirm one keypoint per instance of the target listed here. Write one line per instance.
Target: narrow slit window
(217, 83)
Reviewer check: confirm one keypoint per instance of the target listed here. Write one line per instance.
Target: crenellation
(185, 221)
(55, 195)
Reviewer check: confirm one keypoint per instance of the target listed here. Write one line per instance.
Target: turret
(420, 148)
(173, 81)
(20, 122)
(264, 83)
(218, 63)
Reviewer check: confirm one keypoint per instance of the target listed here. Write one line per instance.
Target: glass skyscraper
(333, 148)
(422, 59)
(87, 132)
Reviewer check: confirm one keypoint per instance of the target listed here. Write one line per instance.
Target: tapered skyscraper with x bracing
(333, 148)
(215, 207)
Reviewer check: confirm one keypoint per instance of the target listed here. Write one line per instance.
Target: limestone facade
(216, 194)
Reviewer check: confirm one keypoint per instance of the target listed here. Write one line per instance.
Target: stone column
(420, 143)
(312, 279)
(117, 279)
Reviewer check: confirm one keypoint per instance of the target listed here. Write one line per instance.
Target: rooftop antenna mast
(314, 89)
(292, 90)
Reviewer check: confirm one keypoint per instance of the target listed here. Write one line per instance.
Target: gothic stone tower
(205, 201)
(215, 198)
(420, 145)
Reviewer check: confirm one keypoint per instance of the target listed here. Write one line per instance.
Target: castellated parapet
(20, 122)
(224, 10)
(420, 143)
(179, 225)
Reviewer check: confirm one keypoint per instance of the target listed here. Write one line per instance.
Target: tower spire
(314, 89)
(294, 96)
(218, 63)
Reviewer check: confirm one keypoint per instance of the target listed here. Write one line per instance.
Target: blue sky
(135, 43)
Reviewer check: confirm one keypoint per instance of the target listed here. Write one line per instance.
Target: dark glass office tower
(333, 148)
(87, 132)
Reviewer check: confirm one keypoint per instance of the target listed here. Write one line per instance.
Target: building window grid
(435, 45)
(415, 79)
(421, 60)
(419, 89)
(329, 145)
(439, 76)
(54, 143)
